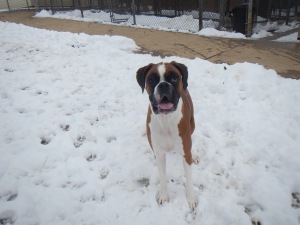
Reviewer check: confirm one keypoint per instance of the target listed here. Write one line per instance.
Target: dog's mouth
(165, 105)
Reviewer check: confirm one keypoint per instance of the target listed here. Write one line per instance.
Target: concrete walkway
(282, 57)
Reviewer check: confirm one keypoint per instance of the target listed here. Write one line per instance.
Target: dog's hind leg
(192, 200)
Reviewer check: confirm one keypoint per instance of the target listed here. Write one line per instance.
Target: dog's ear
(184, 72)
(141, 75)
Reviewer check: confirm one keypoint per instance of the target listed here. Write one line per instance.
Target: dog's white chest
(165, 132)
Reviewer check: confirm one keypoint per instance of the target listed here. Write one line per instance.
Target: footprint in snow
(143, 182)
(7, 217)
(24, 88)
(249, 210)
(295, 200)
(12, 197)
(45, 141)
(79, 141)
(21, 110)
(110, 139)
(39, 92)
(91, 157)
(65, 127)
(9, 70)
(104, 173)
(9, 196)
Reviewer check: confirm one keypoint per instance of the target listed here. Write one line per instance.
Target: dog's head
(164, 83)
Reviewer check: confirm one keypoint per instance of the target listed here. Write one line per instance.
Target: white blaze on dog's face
(164, 83)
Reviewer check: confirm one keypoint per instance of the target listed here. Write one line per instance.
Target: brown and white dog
(170, 120)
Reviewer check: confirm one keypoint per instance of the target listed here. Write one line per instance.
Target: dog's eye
(151, 80)
(174, 78)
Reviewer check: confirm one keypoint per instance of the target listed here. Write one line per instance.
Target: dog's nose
(164, 86)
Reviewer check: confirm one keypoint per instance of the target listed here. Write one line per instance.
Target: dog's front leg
(162, 195)
(192, 200)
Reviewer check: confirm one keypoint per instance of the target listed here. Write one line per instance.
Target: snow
(223, 34)
(284, 27)
(185, 23)
(74, 148)
(264, 30)
(289, 38)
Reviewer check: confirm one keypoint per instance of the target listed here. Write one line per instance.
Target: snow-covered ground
(73, 145)
(184, 23)
(289, 38)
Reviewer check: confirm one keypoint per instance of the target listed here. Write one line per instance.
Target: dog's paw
(196, 159)
(193, 202)
(161, 198)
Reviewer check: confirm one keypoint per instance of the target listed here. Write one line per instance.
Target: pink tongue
(165, 106)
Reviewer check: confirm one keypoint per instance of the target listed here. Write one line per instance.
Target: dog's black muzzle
(166, 99)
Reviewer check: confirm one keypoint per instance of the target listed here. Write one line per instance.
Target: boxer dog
(170, 120)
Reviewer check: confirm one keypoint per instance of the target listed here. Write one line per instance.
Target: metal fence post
(159, 7)
(256, 12)
(288, 12)
(269, 10)
(250, 18)
(62, 4)
(79, 4)
(8, 5)
(133, 11)
(37, 7)
(222, 13)
(27, 4)
(111, 13)
(296, 9)
(51, 5)
(200, 3)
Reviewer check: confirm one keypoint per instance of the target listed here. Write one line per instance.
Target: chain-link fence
(272, 10)
(9, 5)
(188, 15)
(167, 14)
